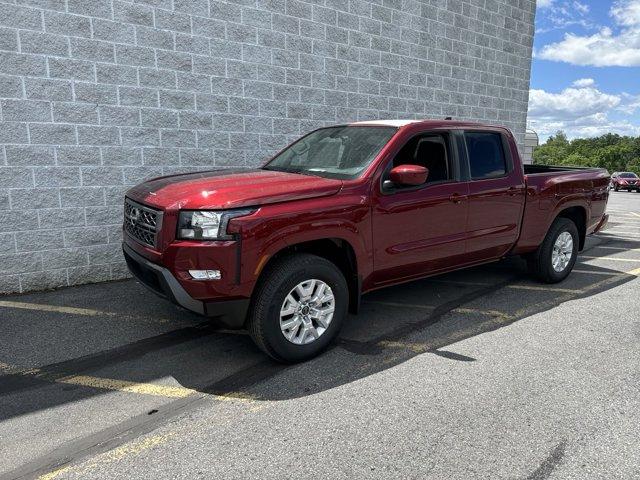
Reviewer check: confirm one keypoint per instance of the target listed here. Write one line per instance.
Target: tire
(277, 282)
(615, 189)
(541, 262)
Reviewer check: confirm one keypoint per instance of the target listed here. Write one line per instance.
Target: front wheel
(556, 256)
(298, 307)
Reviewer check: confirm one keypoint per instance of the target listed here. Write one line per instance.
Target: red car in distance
(625, 181)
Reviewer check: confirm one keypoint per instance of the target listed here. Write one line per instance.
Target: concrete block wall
(97, 95)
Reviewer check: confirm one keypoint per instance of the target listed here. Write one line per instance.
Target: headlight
(207, 225)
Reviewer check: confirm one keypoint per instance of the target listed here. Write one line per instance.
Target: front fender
(274, 228)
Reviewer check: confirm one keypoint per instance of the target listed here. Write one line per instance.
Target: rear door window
(486, 155)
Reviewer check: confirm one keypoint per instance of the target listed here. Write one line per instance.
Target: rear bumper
(230, 313)
(602, 224)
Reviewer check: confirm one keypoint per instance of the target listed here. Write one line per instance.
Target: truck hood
(223, 189)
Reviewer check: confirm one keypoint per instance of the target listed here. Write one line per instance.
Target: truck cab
(287, 249)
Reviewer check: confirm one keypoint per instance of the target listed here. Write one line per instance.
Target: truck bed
(542, 169)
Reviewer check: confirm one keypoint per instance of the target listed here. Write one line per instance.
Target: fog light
(205, 274)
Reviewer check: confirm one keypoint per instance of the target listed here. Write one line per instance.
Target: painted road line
(397, 304)
(54, 308)
(490, 313)
(545, 289)
(125, 386)
(495, 322)
(595, 272)
(615, 259)
(617, 232)
(460, 282)
(87, 312)
(634, 214)
(128, 449)
(616, 248)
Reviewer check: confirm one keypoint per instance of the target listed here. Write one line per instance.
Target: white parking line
(619, 233)
(613, 259)
(626, 249)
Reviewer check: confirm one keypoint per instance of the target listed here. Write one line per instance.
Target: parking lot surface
(481, 373)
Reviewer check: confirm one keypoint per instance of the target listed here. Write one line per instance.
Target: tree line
(614, 152)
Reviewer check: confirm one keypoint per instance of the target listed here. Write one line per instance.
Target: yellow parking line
(415, 347)
(491, 313)
(54, 474)
(615, 259)
(545, 289)
(127, 386)
(124, 385)
(87, 312)
(149, 388)
(53, 308)
(635, 214)
(499, 318)
(460, 282)
(131, 448)
(595, 272)
(397, 304)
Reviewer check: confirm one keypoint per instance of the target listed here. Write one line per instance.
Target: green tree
(611, 151)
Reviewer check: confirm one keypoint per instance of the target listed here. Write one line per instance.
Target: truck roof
(398, 123)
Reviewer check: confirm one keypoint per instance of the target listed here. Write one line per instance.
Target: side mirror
(408, 175)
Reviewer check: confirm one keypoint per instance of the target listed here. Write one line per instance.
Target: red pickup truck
(286, 250)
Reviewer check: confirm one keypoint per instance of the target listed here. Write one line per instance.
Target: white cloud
(544, 3)
(626, 12)
(581, 7)
(630, 103)
(558, 15)
(584, 82)
(570, 103)
(581, 111)
(604, 48)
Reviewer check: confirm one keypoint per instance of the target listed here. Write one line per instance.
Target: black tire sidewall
(282, 348)
(562, 225)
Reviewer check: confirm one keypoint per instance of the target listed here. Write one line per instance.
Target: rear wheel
(556, 256)
(298, 308)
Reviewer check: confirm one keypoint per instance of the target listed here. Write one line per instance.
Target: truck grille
(142, 223)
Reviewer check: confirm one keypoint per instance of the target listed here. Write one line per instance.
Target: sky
(585, 76)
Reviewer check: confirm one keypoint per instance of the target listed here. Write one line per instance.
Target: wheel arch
(578, 215)
(338, 251)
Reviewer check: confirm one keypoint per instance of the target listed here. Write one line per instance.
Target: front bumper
(230, 313)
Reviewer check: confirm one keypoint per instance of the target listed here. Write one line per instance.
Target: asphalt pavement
(482, 373)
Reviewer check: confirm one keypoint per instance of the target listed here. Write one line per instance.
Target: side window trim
(451, 154)
(508, 159)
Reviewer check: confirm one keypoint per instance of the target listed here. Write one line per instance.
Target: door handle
(457, 198)
(513, 191)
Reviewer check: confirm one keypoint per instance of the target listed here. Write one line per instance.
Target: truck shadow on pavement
(151, 341)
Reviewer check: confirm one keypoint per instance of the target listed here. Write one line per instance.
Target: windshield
(628, 175)
(334, 152)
